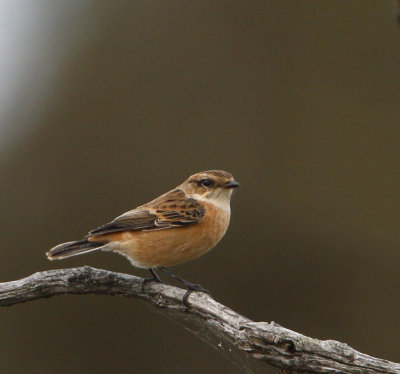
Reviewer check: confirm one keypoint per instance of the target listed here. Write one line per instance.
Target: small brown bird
(176, 227)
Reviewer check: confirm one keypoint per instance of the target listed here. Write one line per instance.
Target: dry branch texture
(269, 342)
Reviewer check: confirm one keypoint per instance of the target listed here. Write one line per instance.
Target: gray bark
(282, 348)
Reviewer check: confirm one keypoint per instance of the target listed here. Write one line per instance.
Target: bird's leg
(154, 278)
(190, 286)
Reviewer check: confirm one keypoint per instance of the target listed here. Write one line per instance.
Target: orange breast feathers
(150, 249)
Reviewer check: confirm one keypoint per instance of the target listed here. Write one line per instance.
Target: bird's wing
(173, 209)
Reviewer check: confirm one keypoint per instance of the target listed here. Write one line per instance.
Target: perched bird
(176, 227)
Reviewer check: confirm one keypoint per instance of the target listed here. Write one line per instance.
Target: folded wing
(173, 209)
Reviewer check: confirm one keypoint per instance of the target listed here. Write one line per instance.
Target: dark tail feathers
(69, 249)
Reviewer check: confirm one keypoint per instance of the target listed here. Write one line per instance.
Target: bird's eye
(205, 183)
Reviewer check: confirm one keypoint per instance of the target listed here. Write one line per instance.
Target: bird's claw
(193, 288)
(148, 280)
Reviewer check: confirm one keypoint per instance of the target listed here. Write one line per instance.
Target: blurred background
(105, 105)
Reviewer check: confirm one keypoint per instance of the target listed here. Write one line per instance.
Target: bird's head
(214, 186)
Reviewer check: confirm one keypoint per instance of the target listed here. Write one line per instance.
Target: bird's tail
(69, 249)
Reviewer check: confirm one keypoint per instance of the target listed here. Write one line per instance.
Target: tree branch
(268, 342)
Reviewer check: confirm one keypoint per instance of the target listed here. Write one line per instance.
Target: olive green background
(299, 100)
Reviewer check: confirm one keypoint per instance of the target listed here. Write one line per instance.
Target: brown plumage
(176, 227)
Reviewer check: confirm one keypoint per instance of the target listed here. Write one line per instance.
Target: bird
(178, 226)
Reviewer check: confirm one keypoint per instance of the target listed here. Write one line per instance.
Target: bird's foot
(193, 288)
(155, 278)
(190, 287)
(148, 280)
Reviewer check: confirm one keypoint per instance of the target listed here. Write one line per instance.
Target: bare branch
(268, 342)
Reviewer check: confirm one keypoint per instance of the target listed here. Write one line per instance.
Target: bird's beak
(232, 184)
